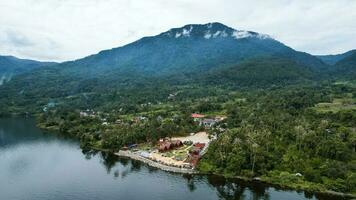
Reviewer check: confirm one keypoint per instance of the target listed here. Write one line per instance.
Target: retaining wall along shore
(155, 164)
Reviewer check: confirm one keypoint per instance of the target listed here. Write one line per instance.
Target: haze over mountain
(333, 59)
(10, 66)
(347, 66)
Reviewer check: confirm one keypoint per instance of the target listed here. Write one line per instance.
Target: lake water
(44, 166)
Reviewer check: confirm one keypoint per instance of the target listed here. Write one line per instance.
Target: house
(197, 117)
(139, 119)
(197, 148)
(199, 145)
(165, 145)
(87, 113)
(208, 123)
(83, 114)
(193, 160)
(171, 96)
(194, 151)
(177, 143)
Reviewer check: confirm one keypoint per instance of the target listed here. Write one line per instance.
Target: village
(177, 152)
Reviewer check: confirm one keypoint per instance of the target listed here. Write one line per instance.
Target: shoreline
(152, 163)
(196, 172)
(163, 167)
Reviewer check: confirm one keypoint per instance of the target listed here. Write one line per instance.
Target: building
(199, 145)
(208, 123)
(197, 148)
(177, 143)
(165, 145)
(197, 117)
(193, 160)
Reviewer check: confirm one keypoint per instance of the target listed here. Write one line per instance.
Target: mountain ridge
(11, 66)
(332, 59)
(180, 55)
(193, 43)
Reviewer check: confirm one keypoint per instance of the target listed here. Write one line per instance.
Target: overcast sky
(60, 30)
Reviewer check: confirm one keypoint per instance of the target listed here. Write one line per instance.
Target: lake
(35, 165)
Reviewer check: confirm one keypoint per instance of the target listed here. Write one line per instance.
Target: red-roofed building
(165, 145)
(199, 145)
(193, 160)
(196, 115)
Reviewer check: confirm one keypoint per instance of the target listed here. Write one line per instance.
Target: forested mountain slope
(11, 66)
(178, 56)
(333, 59)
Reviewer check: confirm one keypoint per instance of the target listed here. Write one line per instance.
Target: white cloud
(70, 29)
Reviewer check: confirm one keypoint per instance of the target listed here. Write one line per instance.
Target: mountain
(347, 66)
(190, 48)
(177, 56)
(333, 59)
(10, 66)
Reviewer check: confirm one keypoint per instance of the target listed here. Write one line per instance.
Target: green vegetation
(279, 133)
(274, 133)
(286, 123)
(337, 105)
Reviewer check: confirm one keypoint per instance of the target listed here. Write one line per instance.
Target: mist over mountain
(333, 59)
(11, 66)
(346, 67)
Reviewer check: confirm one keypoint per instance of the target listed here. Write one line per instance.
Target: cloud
(17, 39)
(69, 29)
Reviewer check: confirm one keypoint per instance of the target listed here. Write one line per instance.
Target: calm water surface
(42, 166)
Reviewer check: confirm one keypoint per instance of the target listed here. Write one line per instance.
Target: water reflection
(238, 189)
(227, 189)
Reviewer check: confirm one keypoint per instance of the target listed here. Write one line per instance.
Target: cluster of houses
(93, 114)
(166, 144)
(193, 155)
(87, 113)
(207, 122)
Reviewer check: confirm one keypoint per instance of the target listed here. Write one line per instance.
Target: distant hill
(347, 66)
(333, 59)
(10, 66)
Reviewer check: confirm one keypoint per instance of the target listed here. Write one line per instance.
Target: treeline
(111, 131)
